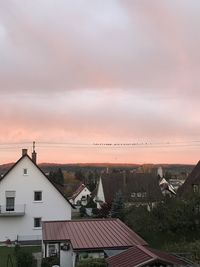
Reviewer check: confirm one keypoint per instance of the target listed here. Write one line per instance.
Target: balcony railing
(16, 210)
(29, 239)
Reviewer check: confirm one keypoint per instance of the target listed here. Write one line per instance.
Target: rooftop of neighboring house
(144, 256)
(192, 180)
(166, 186)
(134, 186)
(78, 191)
(91, 234)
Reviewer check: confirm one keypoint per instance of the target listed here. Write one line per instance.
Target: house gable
(81, 194)
(33, 165)
(134, 187)
(39, 197)
(192, 183)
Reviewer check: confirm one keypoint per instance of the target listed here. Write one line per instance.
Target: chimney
(34, 154)
(34, 157)
(24, 151)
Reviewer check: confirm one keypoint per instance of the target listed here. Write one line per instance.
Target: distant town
(98, 214)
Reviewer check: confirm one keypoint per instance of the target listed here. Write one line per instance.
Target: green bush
(82, 211)
(92, 263)
(91, 204)
(50, 261)
(24, 259)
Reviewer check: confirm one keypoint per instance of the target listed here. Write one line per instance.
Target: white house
(27, 197)
(80, 196)
(166, 187)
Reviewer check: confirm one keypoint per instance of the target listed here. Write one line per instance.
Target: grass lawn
(6, 251)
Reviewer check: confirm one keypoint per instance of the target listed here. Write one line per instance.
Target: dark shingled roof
(143, 256)
(129, 183)
(192, 179)
(91, 233)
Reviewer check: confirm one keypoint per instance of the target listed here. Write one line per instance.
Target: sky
(75, 73)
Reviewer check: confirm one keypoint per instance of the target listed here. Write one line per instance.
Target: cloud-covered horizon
(98, 71)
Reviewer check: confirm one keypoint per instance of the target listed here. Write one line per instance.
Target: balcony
(9, 211)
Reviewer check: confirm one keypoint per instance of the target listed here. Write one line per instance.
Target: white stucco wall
(83, 193)
(160, 172)
(66, 258)
(100, 194)
(52, 207)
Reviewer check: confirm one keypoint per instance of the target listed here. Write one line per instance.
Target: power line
(118, 145)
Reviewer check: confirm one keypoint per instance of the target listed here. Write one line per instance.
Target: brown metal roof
(169, 258)
(92, 233)
(143, 256)
(134, 256)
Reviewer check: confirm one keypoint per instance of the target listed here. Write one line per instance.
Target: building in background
(80, 196)
(136, 188)
(191, 185)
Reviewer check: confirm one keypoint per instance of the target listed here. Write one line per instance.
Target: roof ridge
(84, 220)
(26, 155)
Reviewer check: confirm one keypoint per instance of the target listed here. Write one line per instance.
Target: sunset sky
(100, 71)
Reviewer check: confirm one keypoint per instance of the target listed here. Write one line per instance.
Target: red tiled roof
(141, 256)
(92, 233)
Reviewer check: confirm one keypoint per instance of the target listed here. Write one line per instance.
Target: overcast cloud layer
(101, 71)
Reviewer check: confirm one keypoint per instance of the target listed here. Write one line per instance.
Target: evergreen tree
(57, 177)
(91, 184)
(80, 176)
(117, 208)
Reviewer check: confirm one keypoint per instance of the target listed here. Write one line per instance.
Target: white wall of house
(66, 258)
(82, 195)
(100, 194)
(160, 172)
(52, 207)
(70, 258)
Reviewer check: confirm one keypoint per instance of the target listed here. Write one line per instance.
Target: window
(10, 204)
(195, 188)
(25, 171)
(52, 250)
(10, 200)
(144, 194)
(37, 222)
(197, 209)
(38, 196)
